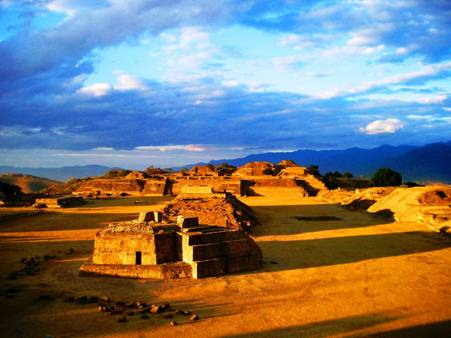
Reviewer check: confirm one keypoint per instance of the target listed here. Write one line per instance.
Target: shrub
(386, 177)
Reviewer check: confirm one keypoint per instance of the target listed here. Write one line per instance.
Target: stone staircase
(213, 251)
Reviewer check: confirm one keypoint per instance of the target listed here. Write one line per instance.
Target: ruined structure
(59, 202)
(254, 178)
(133, 184)
(291, 180)
(149, 248)
(255, 169)
(223, 210)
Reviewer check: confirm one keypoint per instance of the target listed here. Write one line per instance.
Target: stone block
(157, 216)
(187, 222)
(207, 268)
(145, 216)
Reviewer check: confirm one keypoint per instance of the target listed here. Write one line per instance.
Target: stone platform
(186, 249)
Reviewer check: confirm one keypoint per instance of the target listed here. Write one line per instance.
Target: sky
(171, 82)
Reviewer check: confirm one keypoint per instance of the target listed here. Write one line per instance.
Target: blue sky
(134, 83)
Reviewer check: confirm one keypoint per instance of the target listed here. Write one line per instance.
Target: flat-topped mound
(224, 210)
(255, 169)
(359, 199)
(429, 204)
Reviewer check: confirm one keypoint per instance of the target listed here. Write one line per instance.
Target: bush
(314, 170)
(225, 169)
(386, 177)
(117, 173)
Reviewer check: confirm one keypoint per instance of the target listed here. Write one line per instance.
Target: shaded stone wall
(162, 271)
(60, 202)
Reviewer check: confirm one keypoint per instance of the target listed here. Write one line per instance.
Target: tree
(225, 169)
(385, 177)
(313, 170)
(347, 174)
(116, 173)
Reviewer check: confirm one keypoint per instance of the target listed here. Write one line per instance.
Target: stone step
(219, 266)
(214, 236)
(231, 248)
(250, 261)
(209, 267)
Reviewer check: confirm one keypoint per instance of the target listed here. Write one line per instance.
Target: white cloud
(425, 72)
(388, 126)
(127, 82)
(103, 149)
(186, 147)
(437, 99)
(96, 89)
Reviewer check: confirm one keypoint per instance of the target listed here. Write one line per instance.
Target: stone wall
(60, 202)
(121, 249)
(161, 271)
(116, 186)
(218, 184)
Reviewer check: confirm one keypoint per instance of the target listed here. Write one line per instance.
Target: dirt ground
(349, 277)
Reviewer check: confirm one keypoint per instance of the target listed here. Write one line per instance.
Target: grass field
(354, 275)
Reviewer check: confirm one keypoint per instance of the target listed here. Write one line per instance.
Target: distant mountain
(60, 174)
(430, 163)
(28, 183)
(355, 160)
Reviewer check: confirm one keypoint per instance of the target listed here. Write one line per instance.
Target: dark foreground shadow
(323, 328)
(54, 221)
(341, 250)
(438, 329)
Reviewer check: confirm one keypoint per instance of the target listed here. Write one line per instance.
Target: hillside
(429, 163)
(28, 183)
(356, 160)
(59, 174)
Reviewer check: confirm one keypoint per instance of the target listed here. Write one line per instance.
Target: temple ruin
(153, 248)
(254, 178)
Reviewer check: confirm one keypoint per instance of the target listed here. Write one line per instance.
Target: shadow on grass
(323, 328)
(341, 250)
(437, 329)
(54, 221)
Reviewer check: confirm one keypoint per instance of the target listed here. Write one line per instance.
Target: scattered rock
(445, 230)
(130, 313)
(173, 323)
(194, 317)
(45, 297)
(70, 251)
(116, 311)
(122, 319)
(144, 316)
(167, 315)
(92, 300)
(69, 299)
(156, 309)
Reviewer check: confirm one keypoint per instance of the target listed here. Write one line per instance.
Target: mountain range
(429, 163)
(59, 174)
